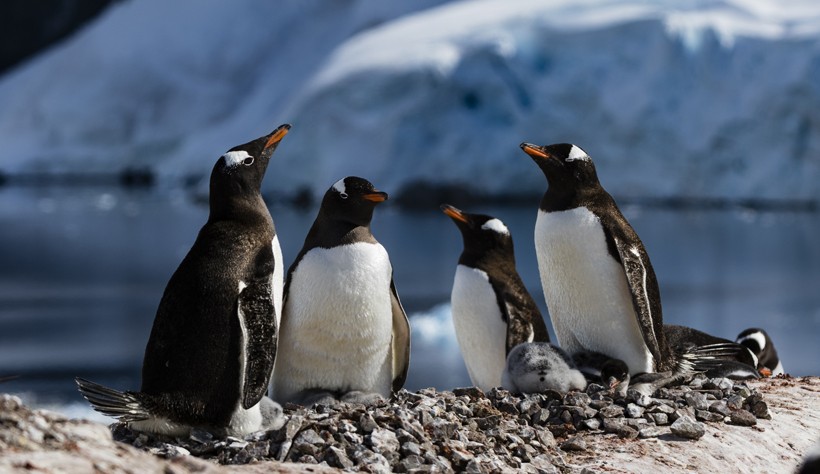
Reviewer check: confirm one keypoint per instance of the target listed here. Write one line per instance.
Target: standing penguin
(492, 309)
(210, 355)
(599, 284)
(344, 333)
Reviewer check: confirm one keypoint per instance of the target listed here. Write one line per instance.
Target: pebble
(743, 418)
(467, 429)
(686, 427)
(576, 443)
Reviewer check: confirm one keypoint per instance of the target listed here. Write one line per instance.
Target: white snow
(706, 98)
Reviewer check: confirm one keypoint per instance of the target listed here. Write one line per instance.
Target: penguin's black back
(192, 359)
(493, 253)
(621, 239)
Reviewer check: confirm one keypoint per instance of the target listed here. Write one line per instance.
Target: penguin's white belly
(338, 329)
(586, 290)
(278, 278)
(480, 330)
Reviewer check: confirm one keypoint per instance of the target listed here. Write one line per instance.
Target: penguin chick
(492, 309)
(535, 367)
(210, 355)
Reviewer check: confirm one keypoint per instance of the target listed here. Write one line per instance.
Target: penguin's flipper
(124, 406)
(643, 286)
(401, 340)
(521, 315)
(258, 320)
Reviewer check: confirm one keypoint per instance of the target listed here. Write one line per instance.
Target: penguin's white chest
(337, 329)
(278, 278)
(480, 330)
(586, 290)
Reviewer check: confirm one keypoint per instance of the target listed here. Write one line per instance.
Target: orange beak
(453, 212)
(277, 136)
(765, 371)
(535, 151)
(377, 196)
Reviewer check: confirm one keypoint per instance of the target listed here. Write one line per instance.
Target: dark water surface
(82, 271)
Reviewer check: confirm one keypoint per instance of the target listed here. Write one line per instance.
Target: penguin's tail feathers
(125, 406)
(725, 359)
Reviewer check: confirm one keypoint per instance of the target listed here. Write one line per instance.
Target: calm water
(82, 271)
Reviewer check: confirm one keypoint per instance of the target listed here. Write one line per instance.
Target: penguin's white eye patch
(496, 225)
(248, 161)
(339, 186)
(234, 158)
(576, 153)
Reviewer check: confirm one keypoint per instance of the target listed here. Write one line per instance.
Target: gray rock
(720, 407)
(703, 415)
(337, 457)
(696, 400)
(367, 423)
(743, 418)
(576, 443)
(660, 419)
(590, 424)
(577, 399)
(611, 411)
(651, 432)
(686, 427)
(383, 441)
(634, 411)
(734, 402)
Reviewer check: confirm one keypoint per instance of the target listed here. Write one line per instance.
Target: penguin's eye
(248, 161)
(343, 195)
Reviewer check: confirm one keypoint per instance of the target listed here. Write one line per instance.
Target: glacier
(696, 98)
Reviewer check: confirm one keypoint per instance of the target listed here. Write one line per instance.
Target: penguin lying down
(537, 367)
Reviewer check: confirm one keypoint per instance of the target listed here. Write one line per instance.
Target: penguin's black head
(352, 200)
(241, 169)
(481, 233)
(614, 372)
(566, 166)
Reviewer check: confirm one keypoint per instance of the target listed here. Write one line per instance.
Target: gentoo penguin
(597, 367)
(760, 344)
(599, 284)
(716, 356)
(535, 367)
(492, 309)
(344, 332)
(210, 355)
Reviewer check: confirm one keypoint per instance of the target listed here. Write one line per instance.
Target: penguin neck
(239, 207)
(561, 197)
(487, 258)
(327, 233)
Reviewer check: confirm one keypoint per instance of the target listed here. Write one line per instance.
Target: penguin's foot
(315, 396)
(365, 398)
(647, 384)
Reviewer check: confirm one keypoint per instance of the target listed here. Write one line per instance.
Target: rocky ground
(703, 425)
